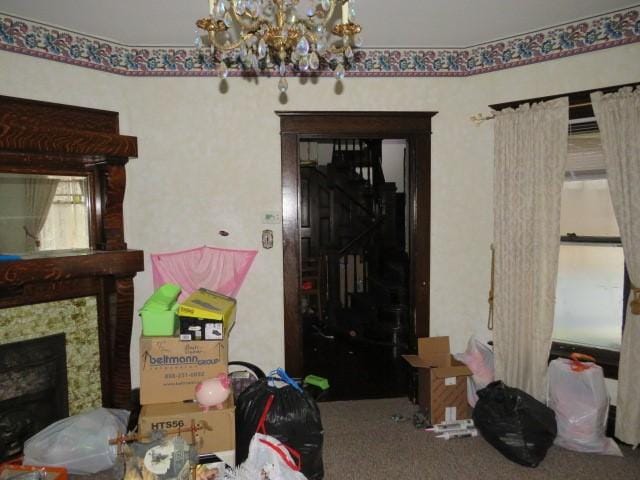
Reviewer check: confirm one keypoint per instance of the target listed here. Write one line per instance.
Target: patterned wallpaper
(605, 31)
(78, 320)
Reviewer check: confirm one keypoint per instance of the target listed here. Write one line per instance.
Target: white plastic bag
(578, 396)
(268, 458)
(79, 443)
(479, 358)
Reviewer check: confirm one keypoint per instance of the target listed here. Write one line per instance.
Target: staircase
(354, 268)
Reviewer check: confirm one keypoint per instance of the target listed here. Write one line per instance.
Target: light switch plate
(267, 239)
(271, 217)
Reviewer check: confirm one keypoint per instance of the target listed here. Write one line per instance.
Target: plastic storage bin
(159, 313)
(159, 324)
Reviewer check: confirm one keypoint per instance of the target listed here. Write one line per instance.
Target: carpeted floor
(362, 441)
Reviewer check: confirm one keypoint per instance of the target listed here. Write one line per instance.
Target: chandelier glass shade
(281, 37)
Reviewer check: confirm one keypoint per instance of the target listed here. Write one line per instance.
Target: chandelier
(280, 36)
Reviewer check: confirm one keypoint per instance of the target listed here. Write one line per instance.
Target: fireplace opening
(33, 389)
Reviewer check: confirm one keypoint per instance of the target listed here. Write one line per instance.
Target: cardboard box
(442, 380)
(218, 433)
(209, 305)
(170, 369)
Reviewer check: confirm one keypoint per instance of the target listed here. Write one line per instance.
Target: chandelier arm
(250, 27)
(223, 46)
(213, 27)
(330, 12)
(311, 25)
(336, 50)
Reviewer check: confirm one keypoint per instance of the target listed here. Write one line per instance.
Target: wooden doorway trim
(415, 129)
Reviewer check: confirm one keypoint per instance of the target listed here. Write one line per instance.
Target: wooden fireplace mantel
(51, 139)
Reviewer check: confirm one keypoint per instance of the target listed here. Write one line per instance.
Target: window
(589, 298)
(67, 222)
(591, 273)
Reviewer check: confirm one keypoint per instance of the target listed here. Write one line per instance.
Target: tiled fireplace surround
(78, 320)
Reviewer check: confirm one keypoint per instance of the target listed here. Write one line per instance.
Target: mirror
(42, 214)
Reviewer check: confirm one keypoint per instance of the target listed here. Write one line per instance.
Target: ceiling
(386, 23)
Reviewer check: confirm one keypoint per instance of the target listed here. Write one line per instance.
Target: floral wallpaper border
(78, 320)
(597, 33)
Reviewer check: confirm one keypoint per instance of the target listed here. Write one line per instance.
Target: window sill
(607, 359)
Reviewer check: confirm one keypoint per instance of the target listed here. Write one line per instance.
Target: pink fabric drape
(217, 269)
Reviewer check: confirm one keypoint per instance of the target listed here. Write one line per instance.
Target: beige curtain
(618, 117)
(38, 196)
(530, 156)
(67, 224)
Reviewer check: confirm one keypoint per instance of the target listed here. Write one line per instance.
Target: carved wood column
(121, 331)
(114, 182)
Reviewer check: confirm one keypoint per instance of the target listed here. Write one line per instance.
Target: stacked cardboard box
(206, 315)
(171, 368)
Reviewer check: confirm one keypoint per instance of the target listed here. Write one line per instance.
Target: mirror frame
(46, 138)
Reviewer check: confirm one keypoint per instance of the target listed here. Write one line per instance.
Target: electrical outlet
(271, 217)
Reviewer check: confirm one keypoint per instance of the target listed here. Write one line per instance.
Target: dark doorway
(356, 246)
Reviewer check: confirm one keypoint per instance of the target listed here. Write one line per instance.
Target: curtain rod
(478, 118)
(581, 96)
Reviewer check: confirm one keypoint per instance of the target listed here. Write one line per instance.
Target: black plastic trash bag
(515, 423)
(286, 412)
